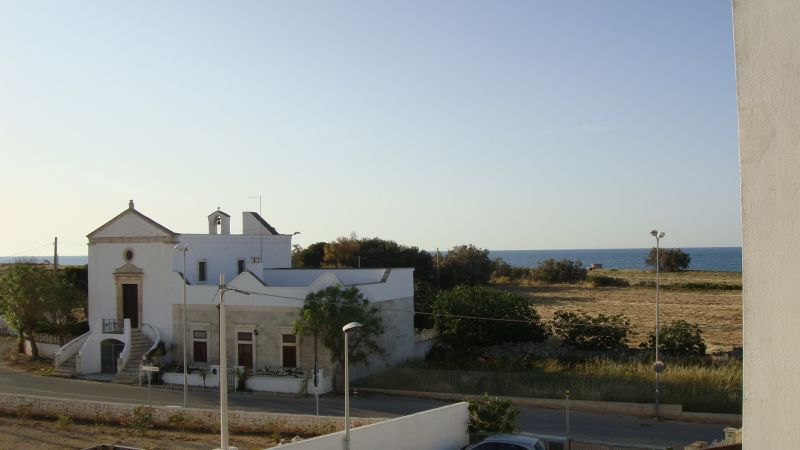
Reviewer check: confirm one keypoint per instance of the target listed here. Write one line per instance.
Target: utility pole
(55, 255)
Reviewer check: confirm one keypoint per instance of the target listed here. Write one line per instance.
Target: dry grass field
(718, 312)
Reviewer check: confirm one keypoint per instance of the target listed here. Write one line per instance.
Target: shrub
(64, 421)
(139, 420)
(564, 271)
(461, 314)
(586, 332)
(605, 280)
(179, 420)
(669, 259)
(492, 415)
(679, 338)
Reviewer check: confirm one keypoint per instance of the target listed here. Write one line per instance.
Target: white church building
(139, 271)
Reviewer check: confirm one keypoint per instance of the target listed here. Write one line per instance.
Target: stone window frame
(289, 331)
(190, 349)
(245, 328)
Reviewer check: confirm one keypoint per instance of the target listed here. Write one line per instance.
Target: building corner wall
(767, 43)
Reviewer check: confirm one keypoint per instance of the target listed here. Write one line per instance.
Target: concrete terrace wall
(767, 43)
(238, 421)
(442, 428)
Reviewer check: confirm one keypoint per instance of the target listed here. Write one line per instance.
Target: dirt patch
(718, 312)
(42, 434)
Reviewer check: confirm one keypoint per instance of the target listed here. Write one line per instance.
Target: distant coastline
(718, 259)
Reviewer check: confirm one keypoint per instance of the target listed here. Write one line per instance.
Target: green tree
(586, 332)
(669, 259)
(31, 297)
(460, 314)
(465, 264)
(310, 257)
(326, 311)
(563, 271)
(494, 415)
(679, 338)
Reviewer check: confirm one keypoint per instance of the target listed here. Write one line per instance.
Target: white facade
(767, 42)
(138, 272)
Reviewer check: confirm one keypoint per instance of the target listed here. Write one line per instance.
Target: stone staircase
(66, 369)
(140, 343)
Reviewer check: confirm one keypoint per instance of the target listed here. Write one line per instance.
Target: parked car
(508, 442)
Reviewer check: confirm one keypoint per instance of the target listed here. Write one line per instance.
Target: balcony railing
(113, 326)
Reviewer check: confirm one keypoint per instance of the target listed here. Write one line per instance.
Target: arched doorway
(109, 352)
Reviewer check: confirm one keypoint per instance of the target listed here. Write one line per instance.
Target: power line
(407, 311)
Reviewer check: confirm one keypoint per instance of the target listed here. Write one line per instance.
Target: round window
(128, 254)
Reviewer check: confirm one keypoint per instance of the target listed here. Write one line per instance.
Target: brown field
(718, 312)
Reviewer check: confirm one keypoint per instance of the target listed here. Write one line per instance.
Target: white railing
(152, 334)
(126, 351)
(70, 348)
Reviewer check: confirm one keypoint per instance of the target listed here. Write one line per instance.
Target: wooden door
(245, 354)
(130, 303)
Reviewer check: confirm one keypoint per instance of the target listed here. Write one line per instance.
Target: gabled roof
(131, 211)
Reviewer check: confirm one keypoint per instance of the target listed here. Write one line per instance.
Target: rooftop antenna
(260, 232)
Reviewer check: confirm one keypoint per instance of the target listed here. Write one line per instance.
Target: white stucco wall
(222, 251)
(442, 428)
(154, 258)
(767, 42)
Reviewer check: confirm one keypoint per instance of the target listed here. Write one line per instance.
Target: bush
(139, 420)
(586, 332)
(565, 271)
(605, 280)
(669, 259)
(679, 338)
(455, 309)
(492, 415)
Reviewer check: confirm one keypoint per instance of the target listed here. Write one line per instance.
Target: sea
(723, 259)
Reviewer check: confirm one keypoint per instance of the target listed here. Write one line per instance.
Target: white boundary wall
(767, 42)
(442, 428)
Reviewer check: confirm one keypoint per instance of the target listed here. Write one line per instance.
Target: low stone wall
(46, 350)
(202, 419)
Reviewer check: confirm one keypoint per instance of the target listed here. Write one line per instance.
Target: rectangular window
(239, 266)
(201, 270)
(200, 334)
(244, 336)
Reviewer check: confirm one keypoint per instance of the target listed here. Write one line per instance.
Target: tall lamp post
(345, 330)
(223, 367)
(658, 366)
(183, 248)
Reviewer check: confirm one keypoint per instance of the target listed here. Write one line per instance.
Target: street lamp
(345, 329)
(658, 366)
(183, 248)
(223, 370)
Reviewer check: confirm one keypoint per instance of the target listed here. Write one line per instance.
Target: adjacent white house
(139, 270)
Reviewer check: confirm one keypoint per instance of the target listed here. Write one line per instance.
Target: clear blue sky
(510, 125)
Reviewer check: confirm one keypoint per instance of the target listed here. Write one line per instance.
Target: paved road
(536, 420)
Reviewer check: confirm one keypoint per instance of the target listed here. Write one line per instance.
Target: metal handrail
(113, 326)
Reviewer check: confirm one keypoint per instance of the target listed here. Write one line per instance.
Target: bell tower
(219, 222)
